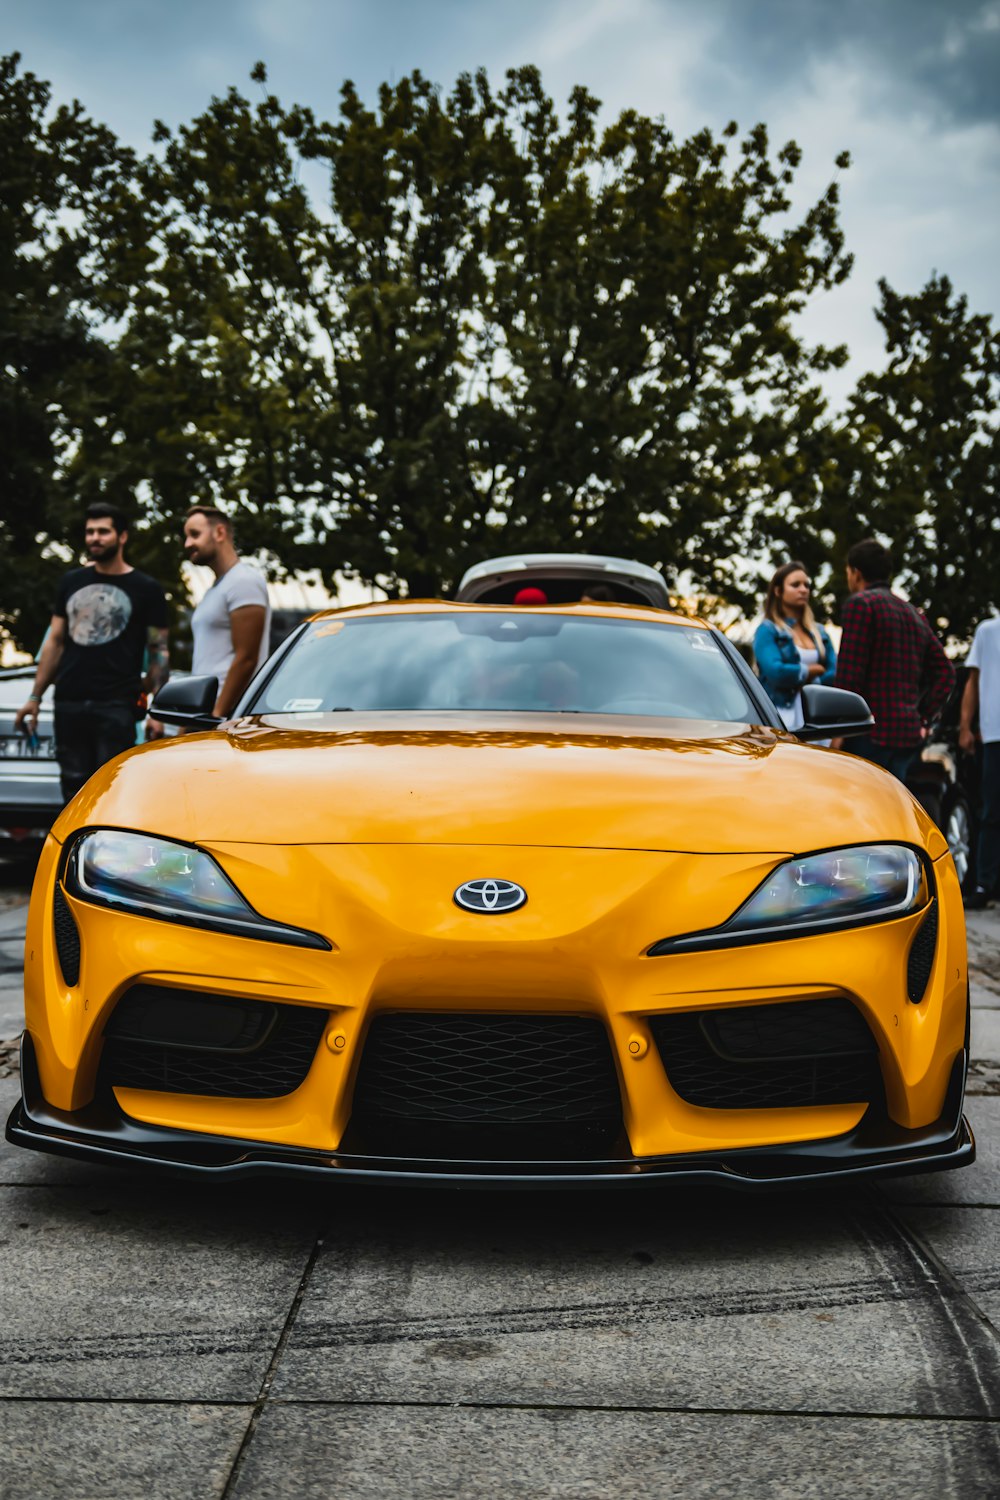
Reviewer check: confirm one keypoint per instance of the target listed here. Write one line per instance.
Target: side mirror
(187, 701)
(831, 713)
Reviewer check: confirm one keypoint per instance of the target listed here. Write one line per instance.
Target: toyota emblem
(488, 896)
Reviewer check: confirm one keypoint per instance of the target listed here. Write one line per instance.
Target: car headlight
(154, 877)
(841, 888)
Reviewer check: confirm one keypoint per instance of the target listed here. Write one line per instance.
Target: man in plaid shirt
(891, 656)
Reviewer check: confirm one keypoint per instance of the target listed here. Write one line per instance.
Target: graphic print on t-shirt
(97, 614)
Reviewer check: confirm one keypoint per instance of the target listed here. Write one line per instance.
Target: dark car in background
(946, 782)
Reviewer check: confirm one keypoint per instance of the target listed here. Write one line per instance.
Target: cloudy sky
(910, 87)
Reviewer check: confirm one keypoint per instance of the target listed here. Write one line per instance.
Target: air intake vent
(766, 1056)
(181, 1042)
(67, 938)
(921, 960)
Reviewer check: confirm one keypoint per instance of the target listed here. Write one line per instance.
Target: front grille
(493, 1084)
(179, 1042)
(803, 1052)
(921, 960)
(67, 938)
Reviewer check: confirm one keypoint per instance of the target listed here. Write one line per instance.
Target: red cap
(531, 596)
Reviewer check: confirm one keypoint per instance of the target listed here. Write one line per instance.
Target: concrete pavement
(166, 1339)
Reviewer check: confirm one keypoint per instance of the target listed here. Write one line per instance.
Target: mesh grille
(67, 938)
(170, 1017)
(767, 1056)
(460, 1069)
(921, 960)
(278, 1065)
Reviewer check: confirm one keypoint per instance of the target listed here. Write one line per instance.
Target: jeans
(894, 759)
(988, 848)
(87, 735)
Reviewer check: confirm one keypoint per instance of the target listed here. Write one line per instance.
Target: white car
(563, 576)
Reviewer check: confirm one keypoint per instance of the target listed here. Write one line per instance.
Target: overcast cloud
(910, 87)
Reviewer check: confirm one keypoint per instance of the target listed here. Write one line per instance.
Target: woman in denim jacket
(790, 648)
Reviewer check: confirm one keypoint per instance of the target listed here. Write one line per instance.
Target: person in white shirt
(231, 624)
(982, 692)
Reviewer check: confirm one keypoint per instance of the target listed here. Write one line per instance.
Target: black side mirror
(187, 701)
(833, 713)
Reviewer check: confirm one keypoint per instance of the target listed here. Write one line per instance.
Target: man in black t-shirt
(106, 619)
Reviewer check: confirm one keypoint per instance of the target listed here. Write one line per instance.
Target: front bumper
(877, 1147)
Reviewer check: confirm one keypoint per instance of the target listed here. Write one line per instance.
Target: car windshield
(506, 662)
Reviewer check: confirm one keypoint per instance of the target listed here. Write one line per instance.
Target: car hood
(517, 779)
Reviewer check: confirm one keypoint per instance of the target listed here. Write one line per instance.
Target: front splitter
(101, 1133)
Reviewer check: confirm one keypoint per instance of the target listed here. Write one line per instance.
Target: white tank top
(792, 717)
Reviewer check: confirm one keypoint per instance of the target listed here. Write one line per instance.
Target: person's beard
(103, 552)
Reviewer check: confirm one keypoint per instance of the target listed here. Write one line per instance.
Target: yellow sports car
(496, 894)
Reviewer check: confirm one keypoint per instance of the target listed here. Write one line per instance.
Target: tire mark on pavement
(902, 1285)
(694, 1307)
(127, 1348)
(961, 1324)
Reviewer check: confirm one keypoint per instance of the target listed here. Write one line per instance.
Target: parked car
(487, 895)
(30, 796)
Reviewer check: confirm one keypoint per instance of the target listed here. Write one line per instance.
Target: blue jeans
(894, 759)
(988, 848)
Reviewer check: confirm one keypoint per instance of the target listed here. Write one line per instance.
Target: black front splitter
(101, 1133)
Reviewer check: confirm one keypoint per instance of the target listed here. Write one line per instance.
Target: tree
(616, 363)
(916, 461)
(219, 384)
(58, 173)
(647, 299)
(499, 331)
(409, 324)
(502, 333)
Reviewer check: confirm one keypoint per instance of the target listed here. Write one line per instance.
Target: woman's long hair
(774, 611)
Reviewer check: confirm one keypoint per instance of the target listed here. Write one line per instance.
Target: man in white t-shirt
(982, 691)
(231, 625)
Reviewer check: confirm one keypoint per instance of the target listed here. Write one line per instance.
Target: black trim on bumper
(100, 1132)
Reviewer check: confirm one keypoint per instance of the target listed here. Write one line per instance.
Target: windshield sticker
(302, 705)
(699, 642)
(333, 628)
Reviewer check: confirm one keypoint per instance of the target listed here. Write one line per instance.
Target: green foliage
(916, 461)
(502, 332)
(215, 377)
(609, 315)
(645, 298)
(57, 173)
(456, 325)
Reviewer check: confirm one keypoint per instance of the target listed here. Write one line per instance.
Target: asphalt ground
(162, 1339)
